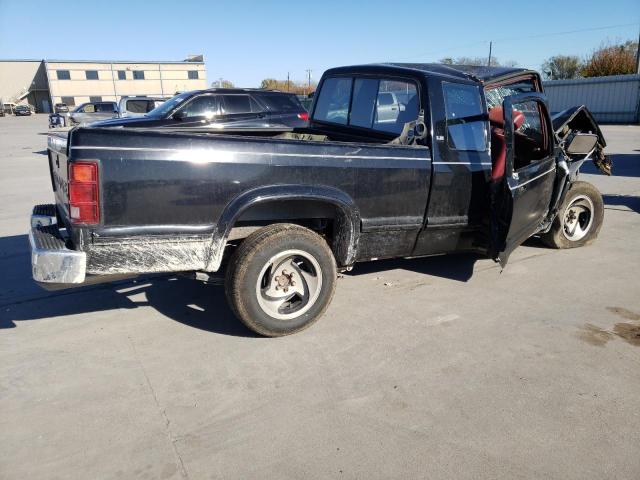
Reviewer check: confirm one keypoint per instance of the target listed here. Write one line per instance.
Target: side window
(239, 104)
(202, 106)
(89, 108)
(466, 121)
(63, 75)
(139, 106)
(105, 107)
(69, 101)
(122, 75)
(95, 99)
(531, 142)
(138, 74)
(333, 101)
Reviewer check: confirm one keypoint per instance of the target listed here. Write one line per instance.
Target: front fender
(348, 229)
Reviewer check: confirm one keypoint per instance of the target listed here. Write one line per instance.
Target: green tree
(562, 67)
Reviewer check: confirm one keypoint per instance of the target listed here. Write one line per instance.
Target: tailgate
(57, 153)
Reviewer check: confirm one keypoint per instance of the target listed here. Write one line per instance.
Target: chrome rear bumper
(51, 261)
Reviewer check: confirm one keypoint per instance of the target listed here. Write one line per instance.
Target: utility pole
(309, 80)
(490, 46)
(287, 81)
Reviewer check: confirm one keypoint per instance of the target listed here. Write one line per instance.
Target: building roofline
(52, 60)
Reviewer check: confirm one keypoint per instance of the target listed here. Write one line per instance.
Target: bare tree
(479, 61)
(222, 83)
(612, 59)
(562, 67)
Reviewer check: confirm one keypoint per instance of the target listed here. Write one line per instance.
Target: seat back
(498, 143)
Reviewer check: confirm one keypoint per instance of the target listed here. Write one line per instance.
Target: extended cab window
(383, 105)
(466, 121)
(333, 101)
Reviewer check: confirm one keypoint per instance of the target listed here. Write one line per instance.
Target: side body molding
(347, 230)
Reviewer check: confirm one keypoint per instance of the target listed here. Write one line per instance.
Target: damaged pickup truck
(398, 160)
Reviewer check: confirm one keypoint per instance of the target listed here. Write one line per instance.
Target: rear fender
(347, 230)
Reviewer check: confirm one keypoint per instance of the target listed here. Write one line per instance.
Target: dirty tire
(249, 287)
(582, 196)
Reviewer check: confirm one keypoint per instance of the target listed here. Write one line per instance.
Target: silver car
(138, 106)
(93, 112)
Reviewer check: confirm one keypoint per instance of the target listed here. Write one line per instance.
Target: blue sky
(246, 41)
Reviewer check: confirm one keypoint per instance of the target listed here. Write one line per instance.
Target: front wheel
(579, 218)
(281, 279)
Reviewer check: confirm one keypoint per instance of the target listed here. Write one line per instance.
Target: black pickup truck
(398, 160)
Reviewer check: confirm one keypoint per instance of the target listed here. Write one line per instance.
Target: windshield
(169, 105)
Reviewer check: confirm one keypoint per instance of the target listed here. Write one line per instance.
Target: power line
(520, 37)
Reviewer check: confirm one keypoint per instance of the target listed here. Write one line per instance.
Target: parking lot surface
(443, 367)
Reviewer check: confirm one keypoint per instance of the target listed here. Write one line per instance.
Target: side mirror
(581, 144)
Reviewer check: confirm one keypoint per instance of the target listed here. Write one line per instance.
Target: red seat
(498, 143)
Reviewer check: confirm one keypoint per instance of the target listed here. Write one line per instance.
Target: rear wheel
(579, 218)
(281, 279)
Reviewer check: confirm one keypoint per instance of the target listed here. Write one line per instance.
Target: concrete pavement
(431, 368)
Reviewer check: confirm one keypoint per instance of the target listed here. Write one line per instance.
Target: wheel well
(323, 218)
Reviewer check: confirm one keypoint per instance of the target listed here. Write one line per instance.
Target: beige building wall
(116, 80)
(17, 76)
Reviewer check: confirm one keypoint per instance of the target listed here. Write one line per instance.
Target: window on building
(138, 74)
(122, 75)
(63, 75)
(91, 74)
(193, 74)
(95, 99)
(68, 101)
(466, 122)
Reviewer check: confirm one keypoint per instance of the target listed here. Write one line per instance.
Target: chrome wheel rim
(577, 218)
(289, 284)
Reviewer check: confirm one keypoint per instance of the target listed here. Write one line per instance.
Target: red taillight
(84, 207)
(303, 116)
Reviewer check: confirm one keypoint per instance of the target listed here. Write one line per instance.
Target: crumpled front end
(579, 120)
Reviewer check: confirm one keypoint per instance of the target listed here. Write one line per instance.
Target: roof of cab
(467, 72)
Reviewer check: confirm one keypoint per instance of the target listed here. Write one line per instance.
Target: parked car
(61, 108)
(472, 162)
(22, 110)
(9, 108)
(138, 106)
(210, 109)
(93, 112)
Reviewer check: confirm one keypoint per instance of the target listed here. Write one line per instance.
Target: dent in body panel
(148, 255)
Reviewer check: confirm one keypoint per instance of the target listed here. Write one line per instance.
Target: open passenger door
(523, 195)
